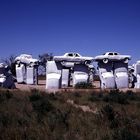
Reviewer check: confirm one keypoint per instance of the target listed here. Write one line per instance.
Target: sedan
(73, 57)
(114, 56)
(26, 59)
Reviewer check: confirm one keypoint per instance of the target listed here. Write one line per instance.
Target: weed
(5, 95)
(116, 96)
(83, 85)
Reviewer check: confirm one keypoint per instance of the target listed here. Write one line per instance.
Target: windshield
(70, 55)
(110, 54)
(77, 55)
(28, 56)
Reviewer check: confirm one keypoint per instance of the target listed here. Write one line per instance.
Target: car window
(70, 55)
(28, 57)
(77, 55)
(110, 54)
(115, 53)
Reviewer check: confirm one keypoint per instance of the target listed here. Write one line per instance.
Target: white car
(114, 56)
(26, 59)
(73, 57)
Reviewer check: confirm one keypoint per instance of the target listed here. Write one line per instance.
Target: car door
(111, 55)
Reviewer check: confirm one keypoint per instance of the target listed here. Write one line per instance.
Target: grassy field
(100, 115)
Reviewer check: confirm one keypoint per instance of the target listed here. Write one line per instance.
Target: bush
(77, 94)
(124, 134)
(116, 96)
(5, 95)
(41, 104)
(95, 97)
(35, 97)
(109, 116)
(57, 119)
(83, 85)
(130, 95)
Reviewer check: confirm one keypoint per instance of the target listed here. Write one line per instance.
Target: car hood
(34, 60)
(115, 56)
(83, 57)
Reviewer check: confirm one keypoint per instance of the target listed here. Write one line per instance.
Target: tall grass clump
(37, 115)
(83, 85)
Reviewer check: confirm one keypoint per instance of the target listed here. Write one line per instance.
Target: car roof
(25, 55)
(111, 52)
(71, 52)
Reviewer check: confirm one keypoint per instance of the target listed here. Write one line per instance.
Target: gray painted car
(113, 56)
(73, 57)
(26, 59)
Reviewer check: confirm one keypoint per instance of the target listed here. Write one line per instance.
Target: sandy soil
(42, 84)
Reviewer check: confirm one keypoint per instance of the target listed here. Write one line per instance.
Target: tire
(87, 62)
(63, 63)
(105, 60)
(31, 64)
(17, 62)
(126, 60)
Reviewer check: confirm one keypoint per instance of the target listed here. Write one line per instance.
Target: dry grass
(37, 115)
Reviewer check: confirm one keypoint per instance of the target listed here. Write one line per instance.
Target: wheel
(126, 60)
(87, 62)
(63, 63)
(31, 64)
(17, 62)
(105, 60)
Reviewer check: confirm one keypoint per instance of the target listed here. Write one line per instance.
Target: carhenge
(68, 70)
(113, 70)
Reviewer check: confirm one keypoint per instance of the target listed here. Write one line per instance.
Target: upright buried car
(73, 57)
(26, 69)
(113, 56)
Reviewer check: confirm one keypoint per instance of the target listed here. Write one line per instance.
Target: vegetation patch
(100, 115)
(83, 85)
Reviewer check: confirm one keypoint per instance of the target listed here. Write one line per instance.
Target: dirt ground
(42, 87)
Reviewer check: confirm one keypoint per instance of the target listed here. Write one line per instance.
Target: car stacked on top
(113, 56)
(73, 57)
(26, 59)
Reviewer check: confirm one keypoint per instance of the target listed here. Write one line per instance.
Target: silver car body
(26, 59)
(112, 56)
(6, 77)
(73, 57)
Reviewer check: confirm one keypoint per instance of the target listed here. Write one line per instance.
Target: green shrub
(95, 97)
(130, 95)
(35, 97)
(77, 94)
(5, 95)
(116, 96)
(57, 119)
(42, 106)
(40, 103)
(83, 85)
(124, 134)
(109, 116)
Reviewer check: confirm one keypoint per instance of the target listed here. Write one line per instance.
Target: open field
(66, 115)
(29, 113)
